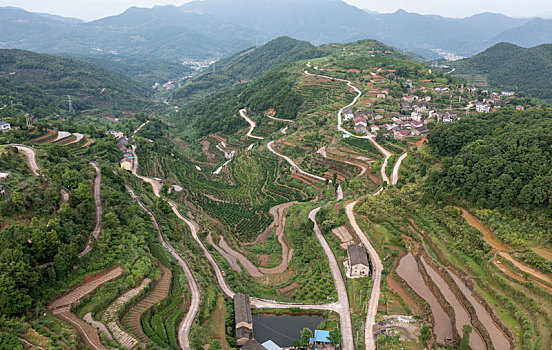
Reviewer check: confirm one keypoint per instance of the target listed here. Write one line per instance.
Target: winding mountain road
(156, 185)
(292, 163)
(342, 305)
(395, 175)
(186, 324)
(30, 156)
(99, 209)
(218, 272)
(377, 270)
(340, 127)
(252, 125)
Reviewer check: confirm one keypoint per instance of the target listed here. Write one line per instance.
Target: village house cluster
(422, 105)
(122, 143)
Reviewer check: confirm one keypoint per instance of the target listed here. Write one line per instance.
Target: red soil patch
(288, 291)
(264, 260)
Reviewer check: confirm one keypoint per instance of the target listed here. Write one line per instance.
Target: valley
(347, 183)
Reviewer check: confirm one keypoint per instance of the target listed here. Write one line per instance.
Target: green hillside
(512, 67)
(40, 84)
(498, 160)
(248, 65)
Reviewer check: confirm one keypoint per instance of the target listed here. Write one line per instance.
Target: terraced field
(160, 290)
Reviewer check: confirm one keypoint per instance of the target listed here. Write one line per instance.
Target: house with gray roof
(359, 266)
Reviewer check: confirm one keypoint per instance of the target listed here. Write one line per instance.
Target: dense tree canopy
(499, 159)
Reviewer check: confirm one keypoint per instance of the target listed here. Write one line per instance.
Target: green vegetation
(247, 65)
(500, 159)
(40, 85)
(512, 67)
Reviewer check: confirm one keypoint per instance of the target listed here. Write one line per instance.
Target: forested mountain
(533, 33)
(499, 159)
(217, 28)
(163, 32)
(40, 84)
(248, 65)
(262, 79)
(512, 67)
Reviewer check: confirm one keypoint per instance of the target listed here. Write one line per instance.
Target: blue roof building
(320, 337)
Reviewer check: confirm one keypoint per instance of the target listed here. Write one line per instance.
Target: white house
(348, 114)
(4, 126)
(482, 108)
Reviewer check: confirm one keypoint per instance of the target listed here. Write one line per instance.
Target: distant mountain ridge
(509, 66)
(218, 28)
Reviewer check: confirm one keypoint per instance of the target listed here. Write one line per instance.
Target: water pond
(282, 329)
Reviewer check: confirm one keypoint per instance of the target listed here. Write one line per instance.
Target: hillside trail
(99, 210)
(186, 324)
(252, 124)
(156, 185)
(502, 249)
(340, 127)
(293, 164)
(61, 307)
(395, 174)
(278, 224)
(30, 158)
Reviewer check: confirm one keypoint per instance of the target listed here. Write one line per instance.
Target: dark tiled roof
(242, 308)
(243, 332)
(357, 255)
(253, 345)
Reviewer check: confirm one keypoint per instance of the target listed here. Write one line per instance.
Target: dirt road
(186, 325)
(140, 128)
(156, 185)
(252, 125)
(61, 307)
(395, 175)
(340, 127)
(30, 156)
(99, 209)
(342, 306)
(292, 163)
(376, 274)
(218, 272)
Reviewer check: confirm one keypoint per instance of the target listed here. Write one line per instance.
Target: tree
(215, 345)
(17, 280)
(10, 342)
(335, 336)
(306, 334)
(465, 342)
